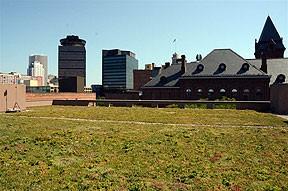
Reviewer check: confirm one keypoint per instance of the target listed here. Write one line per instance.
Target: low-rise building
(222, 73)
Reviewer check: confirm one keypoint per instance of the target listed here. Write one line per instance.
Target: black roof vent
(163, 79)
(222, 67)
(200, 67)
(280, 79)
(245, 67)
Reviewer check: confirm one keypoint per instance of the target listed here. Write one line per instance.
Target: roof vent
(280, 79)
(245, 66)
(163, 79)
(222, 67)
(200, 67)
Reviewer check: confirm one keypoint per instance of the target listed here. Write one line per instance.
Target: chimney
(167, 64)
(198, 57)
(183, 64)
(264, 63)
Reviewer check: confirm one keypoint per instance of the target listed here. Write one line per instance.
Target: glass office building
(117, 69)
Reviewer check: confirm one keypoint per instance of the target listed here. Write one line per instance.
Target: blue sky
(145, 27)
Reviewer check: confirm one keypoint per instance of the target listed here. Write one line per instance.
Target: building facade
(222, 73)
(36, 69)
(42, 62)
(72, 64)
(117, 69)
(269, 54)
(9, 78)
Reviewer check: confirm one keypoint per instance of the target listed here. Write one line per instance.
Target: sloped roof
(275, 67)
(172, 73)
(228, 57)
(269, 31)
(211, 64)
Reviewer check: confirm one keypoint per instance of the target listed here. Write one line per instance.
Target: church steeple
(270, 43)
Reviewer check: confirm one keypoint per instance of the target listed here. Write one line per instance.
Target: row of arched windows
(223, 92)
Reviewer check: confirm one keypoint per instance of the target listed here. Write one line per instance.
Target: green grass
(215, 150)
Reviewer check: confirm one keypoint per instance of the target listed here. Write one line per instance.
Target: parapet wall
(12, 95)
(42, 99)
(279, 98)
(59, 96)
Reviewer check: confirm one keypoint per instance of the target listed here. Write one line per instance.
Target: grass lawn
(88, 148)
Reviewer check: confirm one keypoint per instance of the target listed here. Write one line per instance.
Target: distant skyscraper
(117, 69)
(72, 64)
(36, 69)
(38, 60)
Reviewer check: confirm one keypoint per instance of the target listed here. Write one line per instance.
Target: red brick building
(221, 73)
(140, 78)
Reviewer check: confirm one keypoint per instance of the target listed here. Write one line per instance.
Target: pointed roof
(269, 31)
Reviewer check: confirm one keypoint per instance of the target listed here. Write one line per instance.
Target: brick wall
(140, 78)
(189, 89)
(30, 97)
(15, 94)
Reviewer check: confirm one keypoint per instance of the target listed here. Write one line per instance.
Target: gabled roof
(275, 67)
(233, 62)
(269, 31)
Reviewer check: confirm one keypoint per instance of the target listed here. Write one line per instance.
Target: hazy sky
(145, 27)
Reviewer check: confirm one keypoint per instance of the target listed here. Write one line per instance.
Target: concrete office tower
(117, 69)
(43, 60)
(72, 64)
(36, 69)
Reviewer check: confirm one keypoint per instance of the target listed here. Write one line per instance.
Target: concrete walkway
(283, 116)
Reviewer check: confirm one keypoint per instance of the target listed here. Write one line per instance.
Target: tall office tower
(43, 60)
(117, 69)
(72, 64)
(36, 69)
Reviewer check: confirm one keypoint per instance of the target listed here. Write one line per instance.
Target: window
(210, 93)
(246, 91)
(259, 93)
(199, 92)
(234, 93)
(222, 92)
(188, 93)
(246, 94)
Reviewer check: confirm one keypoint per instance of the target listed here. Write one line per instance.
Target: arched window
(188, 92)
(210, 92)
(246, 93)
(259, 93)
(199, 92)
(234, 93)
(222, 92)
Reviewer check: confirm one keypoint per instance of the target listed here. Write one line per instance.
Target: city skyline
(147, 28)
